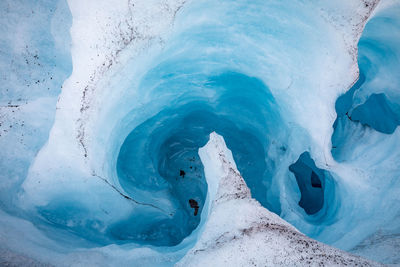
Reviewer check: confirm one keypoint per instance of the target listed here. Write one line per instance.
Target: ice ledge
(240, 232)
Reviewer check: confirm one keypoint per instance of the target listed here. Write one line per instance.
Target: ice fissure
(116, 118)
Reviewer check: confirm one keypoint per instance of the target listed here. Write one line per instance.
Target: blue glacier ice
(105, 105)
(312, 182)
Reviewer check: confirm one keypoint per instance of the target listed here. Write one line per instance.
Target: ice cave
(200, 133)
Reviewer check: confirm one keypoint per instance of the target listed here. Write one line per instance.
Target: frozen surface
(34, 62)
(105, 104)
(240, 232)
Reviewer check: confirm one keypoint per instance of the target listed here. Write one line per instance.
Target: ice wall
(35, 61)
(366, 133)
(119, 179)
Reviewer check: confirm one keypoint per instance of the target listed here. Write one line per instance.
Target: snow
(240, 232)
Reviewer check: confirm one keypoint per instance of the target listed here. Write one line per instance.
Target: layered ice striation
(104, 167)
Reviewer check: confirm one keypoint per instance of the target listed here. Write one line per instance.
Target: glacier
(254, 237)
(173, 132)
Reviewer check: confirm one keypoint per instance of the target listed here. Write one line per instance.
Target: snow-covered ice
(240, 232)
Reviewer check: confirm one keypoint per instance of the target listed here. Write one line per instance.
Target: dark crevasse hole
(315, 181)
(311, 182)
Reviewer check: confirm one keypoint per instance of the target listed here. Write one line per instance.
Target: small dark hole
(315, 181)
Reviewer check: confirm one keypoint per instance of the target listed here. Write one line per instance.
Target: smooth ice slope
(119, 179)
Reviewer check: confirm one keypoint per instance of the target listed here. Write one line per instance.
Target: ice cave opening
(311, 182)
(161, 155)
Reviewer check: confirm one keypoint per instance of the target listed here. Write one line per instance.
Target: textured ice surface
(106, 171)
(35, 60)
(240, 232)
